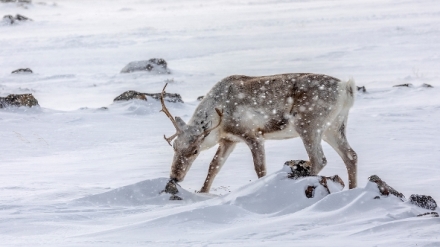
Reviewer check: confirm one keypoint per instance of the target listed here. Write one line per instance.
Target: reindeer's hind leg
(224, 150)
(335, 136)
(312, 143)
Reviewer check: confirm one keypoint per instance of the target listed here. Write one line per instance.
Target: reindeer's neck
(205, 114)
(206, 117)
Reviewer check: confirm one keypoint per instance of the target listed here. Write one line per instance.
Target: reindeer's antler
(220, 114)
(165, 110)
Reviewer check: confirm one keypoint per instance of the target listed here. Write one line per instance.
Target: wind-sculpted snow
(143, 193)
(270, 203)
(276, 192)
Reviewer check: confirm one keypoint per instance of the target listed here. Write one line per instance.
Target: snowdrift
(275, 198)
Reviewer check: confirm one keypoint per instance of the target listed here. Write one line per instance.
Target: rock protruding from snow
(129, 95)
(310, 190)
(18, 100)
(423, 201)
(404, 85)
(384, 188)
(200, 98)
(432, 214)
(9, 19)
(22, 71)
(362, 89)
(171, 188)
(276, 193)
(299, 168)
(427, 85)
(157, 65)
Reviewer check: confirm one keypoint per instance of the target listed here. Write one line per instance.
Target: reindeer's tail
(350, 88)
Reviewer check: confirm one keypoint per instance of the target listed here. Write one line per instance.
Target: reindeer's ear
(180, 123)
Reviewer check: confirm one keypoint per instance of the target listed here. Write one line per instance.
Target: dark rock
(376, 197)
(337, 180)
(157, 65)
(129, 95)
(9, 19)
(300, 168)
(433, 214)
(423, 201)
(18, 100)
(175, 198)
(323, 182)
(310, 191)
(200, 98)
(427, 85)
(22, 71)
(362, 89)
(384, 188)
(171, 188)
(22, 18)
(404, 85)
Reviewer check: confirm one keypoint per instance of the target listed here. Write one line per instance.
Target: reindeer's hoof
(300, 168)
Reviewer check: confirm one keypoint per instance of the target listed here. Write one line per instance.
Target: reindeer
(247, 109)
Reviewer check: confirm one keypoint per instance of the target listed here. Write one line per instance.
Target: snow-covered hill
(75, 174)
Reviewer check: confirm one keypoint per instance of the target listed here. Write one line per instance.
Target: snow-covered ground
(73, 174)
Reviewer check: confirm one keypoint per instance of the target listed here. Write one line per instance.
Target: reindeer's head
(187, 144)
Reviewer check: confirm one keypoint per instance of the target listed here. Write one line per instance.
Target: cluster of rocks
(9, 19)
(423, 201)
(18, 100)
(300, 169)
(157, 65)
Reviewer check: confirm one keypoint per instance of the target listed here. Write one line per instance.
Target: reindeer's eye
(195, 152)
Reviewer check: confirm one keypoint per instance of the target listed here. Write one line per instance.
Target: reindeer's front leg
(224, 149)
(256, 144)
